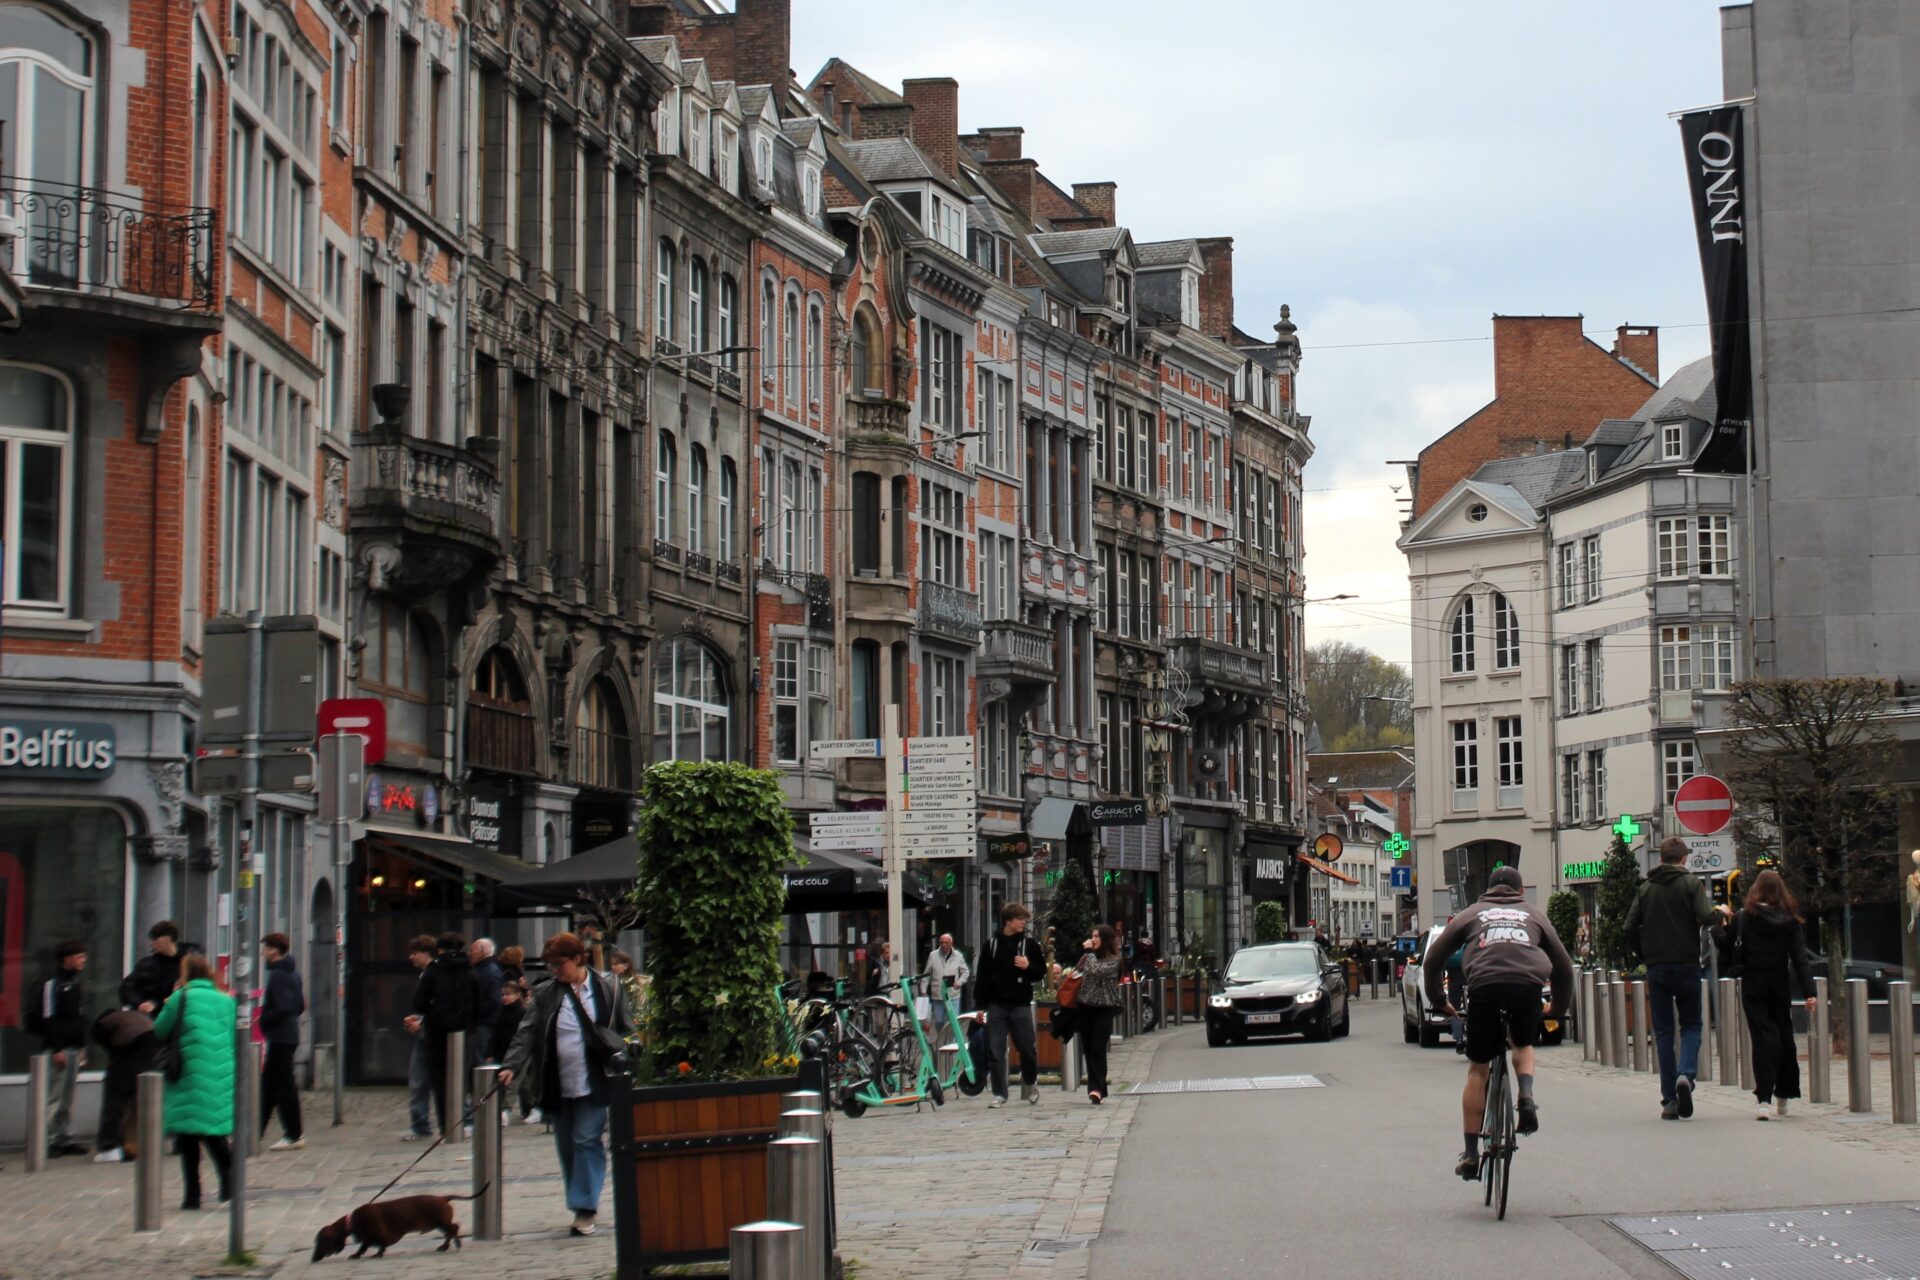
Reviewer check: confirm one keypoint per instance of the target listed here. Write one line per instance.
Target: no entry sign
(1703, 804)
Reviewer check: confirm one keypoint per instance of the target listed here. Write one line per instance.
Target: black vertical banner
(1717, 177)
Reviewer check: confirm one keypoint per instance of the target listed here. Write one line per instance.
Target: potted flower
(692, 1123)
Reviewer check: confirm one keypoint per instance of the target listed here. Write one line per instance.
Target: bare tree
(611, 912)
(1812, 760)
(1359, 699)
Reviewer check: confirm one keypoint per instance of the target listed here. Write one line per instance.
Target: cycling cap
(1506, 878)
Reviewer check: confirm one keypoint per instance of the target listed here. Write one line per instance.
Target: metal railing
(500, 737)
(950, 611)
(60, 236)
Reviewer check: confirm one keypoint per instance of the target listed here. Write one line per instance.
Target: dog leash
(477, 1104)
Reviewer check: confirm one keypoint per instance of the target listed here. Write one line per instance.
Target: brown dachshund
(386, 1222)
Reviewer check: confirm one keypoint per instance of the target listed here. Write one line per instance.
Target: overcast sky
(1398, 172)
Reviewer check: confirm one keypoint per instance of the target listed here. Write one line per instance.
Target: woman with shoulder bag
(1763, 940)
(195, 1026)
(1097, 1002)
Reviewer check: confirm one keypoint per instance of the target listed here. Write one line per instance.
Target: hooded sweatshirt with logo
(1507, 940)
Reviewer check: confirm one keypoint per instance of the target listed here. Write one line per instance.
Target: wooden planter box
(1043, 1039)
(689, 1164)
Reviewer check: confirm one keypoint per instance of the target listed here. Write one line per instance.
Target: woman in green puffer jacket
(199, 1107)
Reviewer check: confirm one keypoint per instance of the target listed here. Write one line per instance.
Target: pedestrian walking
(197, 1020)
(946, 966)
(156, 974)
(562, 1051)
(280, 1014)
(488, 976)
(513, 964)
(445, 1001)
(127, 1036)
(1762, 942)
(879, 968)
(419, 1073)
(1663, 926)
(54, 1015)
(632, 987)
(1098, 1003)
(1005, 971)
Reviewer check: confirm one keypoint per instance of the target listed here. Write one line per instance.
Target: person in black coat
(155, 974)
(280, 1012)
(446, 1001)
(488, 978)
(1761, 943)
(53, 1013)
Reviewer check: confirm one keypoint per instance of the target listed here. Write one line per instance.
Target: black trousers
(437, 1075)
(1096, 1029)
(189, 1145)
(1776, 1061)
(117, 1093)
(278, 1092)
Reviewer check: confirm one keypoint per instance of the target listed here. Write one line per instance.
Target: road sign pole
(895, 858)
(246, 925)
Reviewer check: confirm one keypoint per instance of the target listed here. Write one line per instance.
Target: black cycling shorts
(1520, 1001)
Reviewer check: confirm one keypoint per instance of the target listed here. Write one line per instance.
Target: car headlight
(1219, 1002)
(1308, 997)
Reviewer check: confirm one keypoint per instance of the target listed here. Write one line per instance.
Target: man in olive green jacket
(1664, 928)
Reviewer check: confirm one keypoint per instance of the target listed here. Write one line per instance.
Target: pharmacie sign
(56, 749)
(1583, 870)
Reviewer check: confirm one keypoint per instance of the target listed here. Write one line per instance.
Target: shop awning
(464, 856)
(1050, 818)
(836, 881)
(600, 870)
(1326, 868)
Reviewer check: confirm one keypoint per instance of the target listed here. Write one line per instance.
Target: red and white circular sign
(1703, 804)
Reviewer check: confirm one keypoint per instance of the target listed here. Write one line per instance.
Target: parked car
(1424, 1026)
(1878, 974)
(1285, 988)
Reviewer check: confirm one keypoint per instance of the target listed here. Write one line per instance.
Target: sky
(1397, 172)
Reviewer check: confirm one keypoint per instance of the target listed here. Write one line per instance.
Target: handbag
(602, 1044)
(168, 1060)
(1068, 994)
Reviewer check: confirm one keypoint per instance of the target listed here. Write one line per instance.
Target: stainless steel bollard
(1704, 1062)
(807, 1123)
(1729, 1028)
(1179, 1002)
(1820, 1046)
(150, 1160)
(1602, 1021)
(1589, 1045)
(1900, 1049)
(456, 1085)
(39, 1070)
(1859, 1045)
(1744, 1042)
(1617, 1022)
(1642, 1028)
(766, 1251)
(797, 1192)
(489, 1189)
(1070, 1065)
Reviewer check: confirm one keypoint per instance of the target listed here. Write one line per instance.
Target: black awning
(605, 869)
(462, 855)
(833, 881)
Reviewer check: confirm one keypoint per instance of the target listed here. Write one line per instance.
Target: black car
(1288, 988)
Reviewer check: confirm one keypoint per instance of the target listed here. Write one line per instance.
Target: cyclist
(1511, 951)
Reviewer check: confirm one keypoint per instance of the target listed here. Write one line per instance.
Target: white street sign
(951, 746)
(930, 760)
(845, 748)
(873, 818)
(957, 825)
(1710, 855)
(838, 839)
(964, 849)
(918, 799)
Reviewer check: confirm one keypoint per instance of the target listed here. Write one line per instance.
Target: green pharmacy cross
(1627, 829)
(1397, 846)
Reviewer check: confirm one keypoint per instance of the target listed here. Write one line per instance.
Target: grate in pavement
(1057, 1247)
(1229, 1084)
(1861, 1242)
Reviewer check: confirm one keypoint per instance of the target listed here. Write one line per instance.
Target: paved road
(1355, 1179)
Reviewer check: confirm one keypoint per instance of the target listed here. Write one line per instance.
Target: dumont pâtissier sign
(55, 749)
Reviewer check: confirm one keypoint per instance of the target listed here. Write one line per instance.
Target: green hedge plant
(1563, 913)
(713, 838)
(1270, 922)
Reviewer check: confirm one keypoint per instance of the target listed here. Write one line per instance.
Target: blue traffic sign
(1402, 878)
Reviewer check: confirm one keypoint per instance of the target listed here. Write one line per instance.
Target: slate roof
(1092, 240)
(836, 70)
(894, 160)
(1384, 770)
(752, 98)
(1689, 393)
(1615, 431)
(1164, 253)
(1536, 476)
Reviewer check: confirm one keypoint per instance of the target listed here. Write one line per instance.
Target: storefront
(1266, 875)
(1129, 852)
(1202, 870)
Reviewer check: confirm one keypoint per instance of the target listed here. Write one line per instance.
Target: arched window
(816, 352)
(790, 357)
(1460, 638)
(395, 668)
(860, 356)
(767, 318)
(697, 501)
(690, 712)
(728, 332)
(500, 731)
(697, 305)
(723, 517)
(666, 466)
(601, 746)
(663, 290)
(1506, 634)
(36, 461)
(46, 98)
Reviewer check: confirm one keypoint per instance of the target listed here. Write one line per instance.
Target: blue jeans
(419, 1091)
(1670, 986)
(579, 1135)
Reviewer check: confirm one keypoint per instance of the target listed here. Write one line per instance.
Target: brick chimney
(649, 18)
(1016, 179)
(1002, 142)
(935, 125)
(1639, 346)
(885, 120)
(1216, 286)
(1097, 199)
(751, 45)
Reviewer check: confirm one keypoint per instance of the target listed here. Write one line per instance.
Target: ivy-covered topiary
(1270, 922)
(1563, 913)
(1072, 914)
(1619, 885)
(713, 838)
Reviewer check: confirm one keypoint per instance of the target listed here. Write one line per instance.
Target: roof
(752, 98)
(894, 160)
(1166, 253)
(1615, 431)
(1384, 770)
(1092, 240)
(1536, 476)
(838, 70)
(1688, 393)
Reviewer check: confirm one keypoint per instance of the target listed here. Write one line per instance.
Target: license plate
(1263, 1017)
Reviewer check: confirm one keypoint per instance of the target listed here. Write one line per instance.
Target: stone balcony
(1017, 652)
(434, 506)
(1222, 680)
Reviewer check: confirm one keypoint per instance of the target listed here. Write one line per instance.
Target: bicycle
(1497, 1127)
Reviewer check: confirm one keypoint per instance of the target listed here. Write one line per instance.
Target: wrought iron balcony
(817, 587)
(729, 571)
(1220, 672)
(665, 346)
(727, 378)
(1018, 652)
(950, 612)
(58, 236)
(434, 504)
(698, 563)
(665, 552)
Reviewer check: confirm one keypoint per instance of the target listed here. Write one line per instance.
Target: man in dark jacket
(1664, 927)
(1511, 953)
(487, 978)
(127, 1036)
(446, 1000)
(1004, 974)
(54, 1015)
(280, 1023)
(157, 973)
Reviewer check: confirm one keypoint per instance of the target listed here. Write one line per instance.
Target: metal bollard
(806, 1123)
(1642, 1028)
(1729, 1029)
(1819, 1046)
(1859, 1055)
(1589, 1045)
(1070, 1065)
(797, 1192)
(766, 1251)
(943, 1059)
(1179, 1003)
(456, 1085)
(1617, 1022)
(1744, 1041)
(150, 1161)
(1900, 1049)
(1602, 1022)
(489, 1189)
(39, 1070)
(1703, 1072)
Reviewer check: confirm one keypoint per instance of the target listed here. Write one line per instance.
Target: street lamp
(1344, 595)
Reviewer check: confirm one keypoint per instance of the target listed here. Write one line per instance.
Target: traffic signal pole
(246, 924)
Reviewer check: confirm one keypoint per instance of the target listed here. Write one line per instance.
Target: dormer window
(697, 138)
(727, 168)
(1190, 299)
(763, 160)
(947, 223)
(1673, 441)
(812, 192)
(666, 125)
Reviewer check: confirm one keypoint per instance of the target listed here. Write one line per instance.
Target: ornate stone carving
(333, 494)
(396, 233)
(594, 96)
(623, 123)
(169, 782)
(161, 848)
(526, 42)
(429, 252)
(560, 72)
(380, 561)
(491, 16)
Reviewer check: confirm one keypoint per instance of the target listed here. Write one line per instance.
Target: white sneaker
(1763, 1113)
(533, 1116)
(289, 1144)
(998, 1101)
(1780, 1106)
(582, 1224)
(506, 1118)
(117, 1155)
(1031, 1092)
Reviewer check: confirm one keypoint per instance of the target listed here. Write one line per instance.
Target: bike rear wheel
(1505, 1148)
(1491, 1168)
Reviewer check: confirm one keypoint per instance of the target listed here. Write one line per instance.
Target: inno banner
(1717, 177)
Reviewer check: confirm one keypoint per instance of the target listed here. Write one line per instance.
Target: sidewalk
(958, 1192)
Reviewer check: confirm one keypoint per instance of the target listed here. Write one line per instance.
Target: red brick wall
(751, 45)
(935, 123)
(1216, 287)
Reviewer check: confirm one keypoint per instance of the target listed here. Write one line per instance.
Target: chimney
(886, 120)
(648, 18)
(825, 95)
(1003, 141)
(935, 126)
(1639, 346)
(751, 45)
(1097, 199)
(1216, 287)
(846, 119)
(1016, 179)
